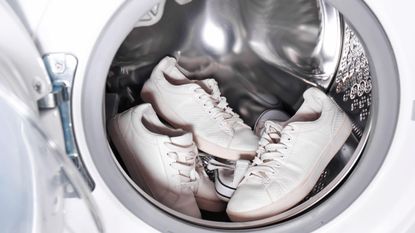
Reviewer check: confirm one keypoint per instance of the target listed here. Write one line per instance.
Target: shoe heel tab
(166, 64)
(314, 93)
(315, 100)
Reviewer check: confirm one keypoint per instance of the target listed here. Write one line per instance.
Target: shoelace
(214, 110)
(200, 167)
(184, 159)
(239, 167)
(271, 151)
(222, 102)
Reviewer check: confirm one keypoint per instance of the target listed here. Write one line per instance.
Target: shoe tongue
(273, 126)
(183, 140)
(204, 84)
(210, 82)
(212, 86)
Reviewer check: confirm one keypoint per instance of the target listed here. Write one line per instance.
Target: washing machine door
(40, 189)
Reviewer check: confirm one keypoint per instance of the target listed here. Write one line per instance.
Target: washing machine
(67, 67)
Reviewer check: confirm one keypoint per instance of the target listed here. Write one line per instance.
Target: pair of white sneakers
(163, 160)
(290, 158)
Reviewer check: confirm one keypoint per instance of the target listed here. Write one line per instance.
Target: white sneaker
(291, 158)
(205, 193)
(161, 160)
(189, 105)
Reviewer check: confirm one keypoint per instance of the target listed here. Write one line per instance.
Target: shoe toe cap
(246, 200)
(206, 197)
(184, 203)
(206, 190)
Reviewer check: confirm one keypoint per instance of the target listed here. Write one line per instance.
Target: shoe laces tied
(274, 143)
(218, 106)
(223, 103)
(183, 159)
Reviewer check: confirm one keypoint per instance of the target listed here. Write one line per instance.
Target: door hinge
(61, 68)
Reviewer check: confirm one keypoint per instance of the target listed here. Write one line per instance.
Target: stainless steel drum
(264, 54)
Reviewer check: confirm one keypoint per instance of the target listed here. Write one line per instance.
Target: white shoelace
(184, 159)
(218, 106)
(200, 167)
(271, 151)
(222, 102)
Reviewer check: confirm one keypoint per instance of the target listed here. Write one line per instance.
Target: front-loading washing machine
(70, 66)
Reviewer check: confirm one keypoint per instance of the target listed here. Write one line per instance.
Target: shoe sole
(297, 195)
(222, 152)
(202, 144)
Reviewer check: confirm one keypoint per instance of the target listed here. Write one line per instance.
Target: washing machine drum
(264, 55)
